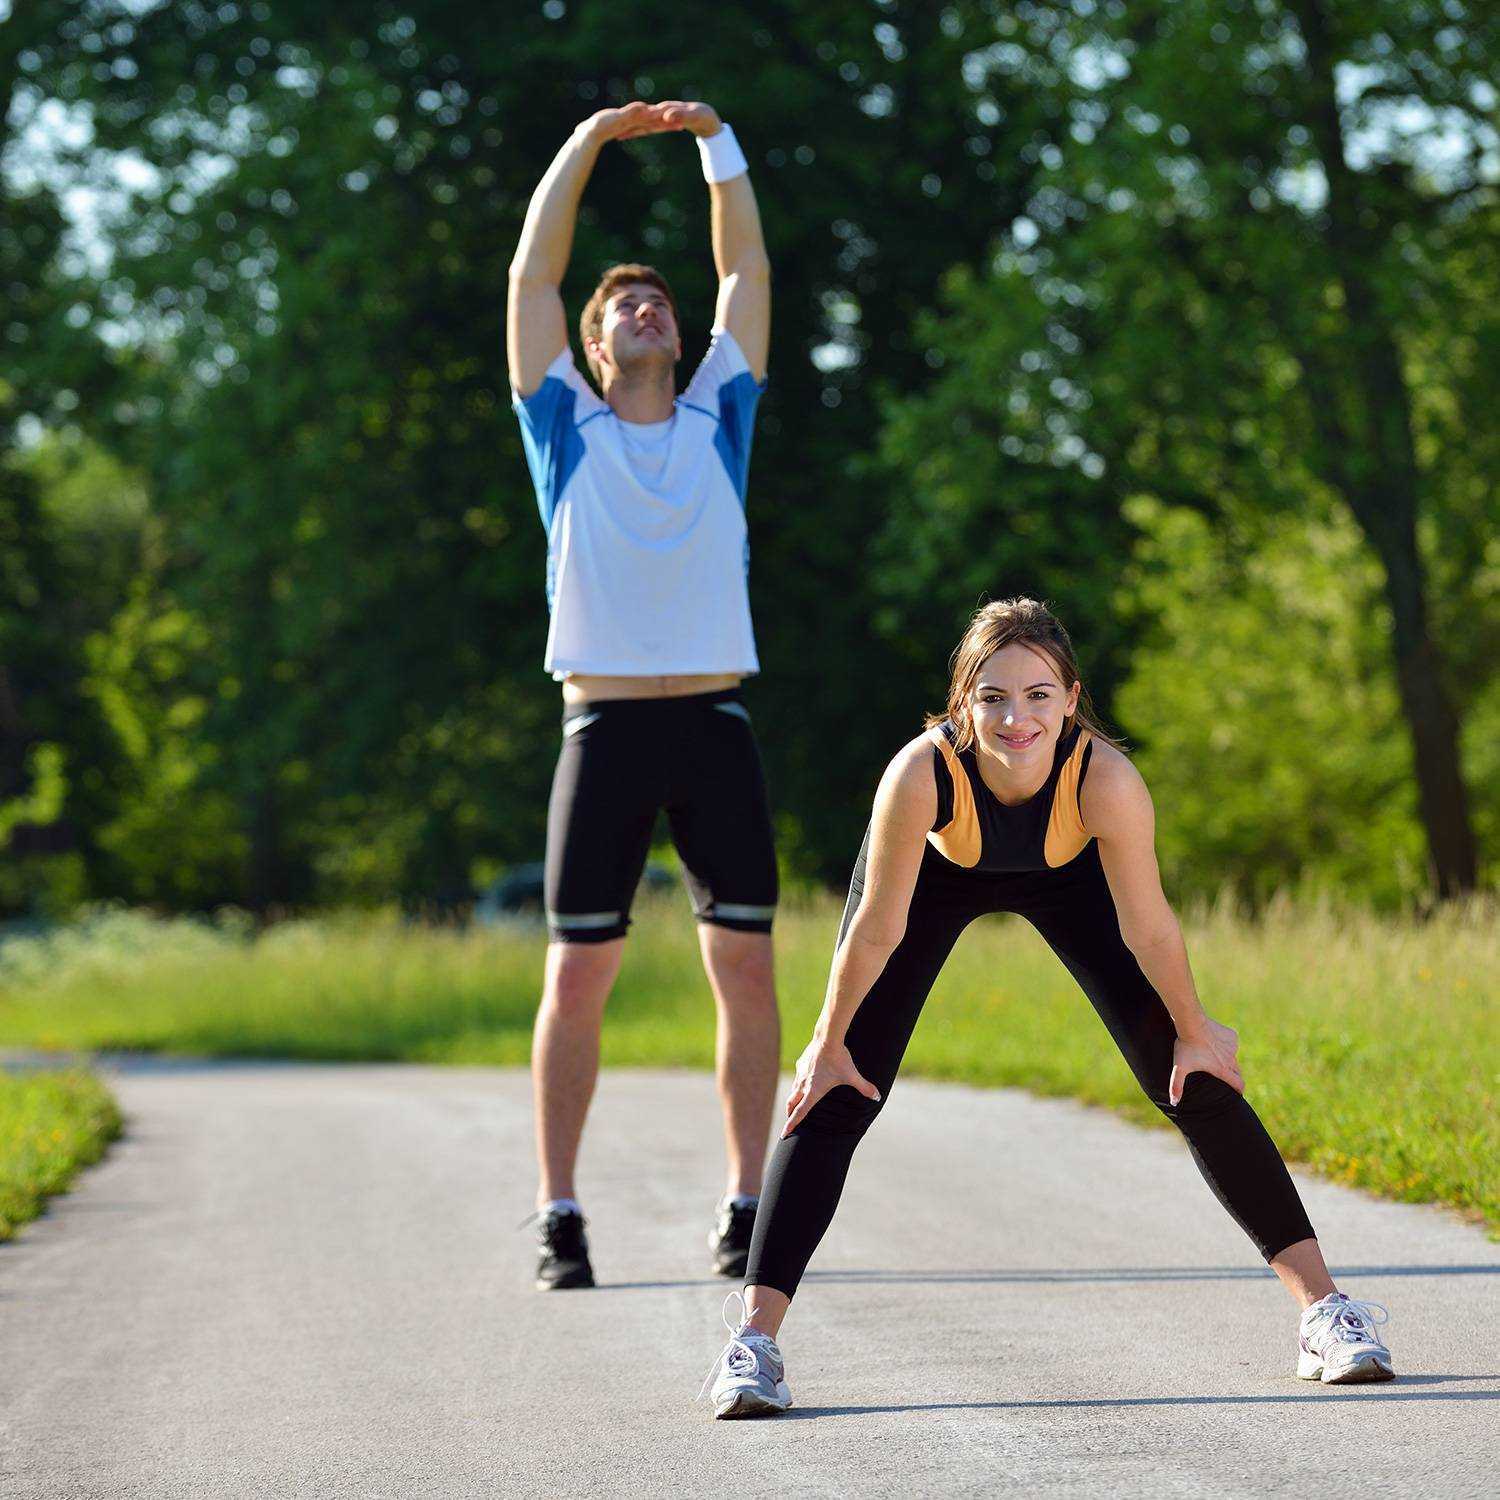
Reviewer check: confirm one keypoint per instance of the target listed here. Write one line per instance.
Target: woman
(1018, 802)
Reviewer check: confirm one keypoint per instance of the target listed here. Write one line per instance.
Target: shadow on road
(1106, 1403)
(1022, 1277)
(1134, 1273)
(147, 1064)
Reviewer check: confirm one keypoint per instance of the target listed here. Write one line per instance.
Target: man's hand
(681, 114)
(639, 118)
(1212, 1049)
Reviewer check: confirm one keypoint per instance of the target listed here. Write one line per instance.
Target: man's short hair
(591, 323)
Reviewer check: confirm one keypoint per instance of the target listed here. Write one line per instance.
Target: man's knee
(580, 977)
(741, 964)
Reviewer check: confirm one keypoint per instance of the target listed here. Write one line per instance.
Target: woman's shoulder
(909, 779)
(1112, 787)
(914, 758)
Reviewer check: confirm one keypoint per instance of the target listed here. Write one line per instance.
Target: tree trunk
(263, 886)
(1380, 482)
(1375, 469)
(1427, 706)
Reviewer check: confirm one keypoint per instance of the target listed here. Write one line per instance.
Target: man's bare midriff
(581, 689)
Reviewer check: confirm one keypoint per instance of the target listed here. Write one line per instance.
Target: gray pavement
(293, 1281)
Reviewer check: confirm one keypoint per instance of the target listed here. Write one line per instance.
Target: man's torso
(647, 550)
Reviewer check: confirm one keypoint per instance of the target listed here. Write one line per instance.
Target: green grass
(51, 1124)
(1369, 1042)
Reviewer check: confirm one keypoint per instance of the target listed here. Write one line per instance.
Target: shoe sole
(575, 1282)
(747, 1403)
(1366, 1371)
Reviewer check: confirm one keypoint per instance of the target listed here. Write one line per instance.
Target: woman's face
(1019, 706)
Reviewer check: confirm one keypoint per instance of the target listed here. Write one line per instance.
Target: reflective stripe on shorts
(583, 920)
(737, 913)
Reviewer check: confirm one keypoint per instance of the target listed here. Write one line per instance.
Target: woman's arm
(905, 806)
(1117, 810)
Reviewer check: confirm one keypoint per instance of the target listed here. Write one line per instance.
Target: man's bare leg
(565, 1055)
(748, 1054)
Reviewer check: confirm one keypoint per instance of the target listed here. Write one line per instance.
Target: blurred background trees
(1180, 315)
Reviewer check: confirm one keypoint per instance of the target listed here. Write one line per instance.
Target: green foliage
(48, 735)
(170, 836)
(51, 1124)
(49, 884)
(983, 516)
(1248, 280)
(1265, 661)
(1365, 1039)
(98, 720)
(46, 796)
(281, 610)
(321, 410)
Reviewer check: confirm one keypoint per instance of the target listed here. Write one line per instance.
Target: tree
(313, 284)
(1256, 270)
(50, 738)
(1263, 652)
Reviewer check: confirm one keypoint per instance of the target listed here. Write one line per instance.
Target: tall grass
(50, 1125)
(1370, 1044)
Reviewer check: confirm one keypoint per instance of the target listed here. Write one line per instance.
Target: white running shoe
(1338, 1344)
(749, 1378)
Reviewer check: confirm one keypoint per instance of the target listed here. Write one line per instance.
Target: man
(642, 494)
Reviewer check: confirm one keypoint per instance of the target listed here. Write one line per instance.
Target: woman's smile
(1015, 739)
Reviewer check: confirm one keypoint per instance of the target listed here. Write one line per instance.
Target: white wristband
(721, 156)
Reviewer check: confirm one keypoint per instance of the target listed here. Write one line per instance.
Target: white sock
(740, 1200)
(561, 1206)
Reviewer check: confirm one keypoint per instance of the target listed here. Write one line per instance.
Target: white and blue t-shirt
(647, 551)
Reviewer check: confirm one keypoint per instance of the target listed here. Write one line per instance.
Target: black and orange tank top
(978, 831)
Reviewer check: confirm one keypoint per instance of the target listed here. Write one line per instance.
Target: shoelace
(739, 1358)
(536, 1214)
(736, 1220)
(550, 1222)
(1349, 1321)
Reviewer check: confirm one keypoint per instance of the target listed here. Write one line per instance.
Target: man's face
(638, 331)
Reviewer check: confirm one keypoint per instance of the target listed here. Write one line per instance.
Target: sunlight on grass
(1369, 1043)
(51, 1124)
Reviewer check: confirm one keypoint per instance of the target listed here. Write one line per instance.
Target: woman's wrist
(1192, 1027)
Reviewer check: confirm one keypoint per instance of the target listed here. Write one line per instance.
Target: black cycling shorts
(623, 761)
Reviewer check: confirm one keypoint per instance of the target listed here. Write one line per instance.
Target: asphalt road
(295, 1281)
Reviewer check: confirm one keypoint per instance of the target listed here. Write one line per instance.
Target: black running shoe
(730, 1238)
(564, 1261)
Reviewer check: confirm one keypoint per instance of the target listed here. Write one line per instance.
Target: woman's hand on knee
(822, 1066)
(1213, 1049)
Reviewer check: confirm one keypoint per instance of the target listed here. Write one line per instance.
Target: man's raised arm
(536, 326)
(744, 301)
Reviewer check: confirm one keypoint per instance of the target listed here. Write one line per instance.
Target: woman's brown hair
(1013, 622)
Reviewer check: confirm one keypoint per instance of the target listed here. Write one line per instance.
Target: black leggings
(1072, 908)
